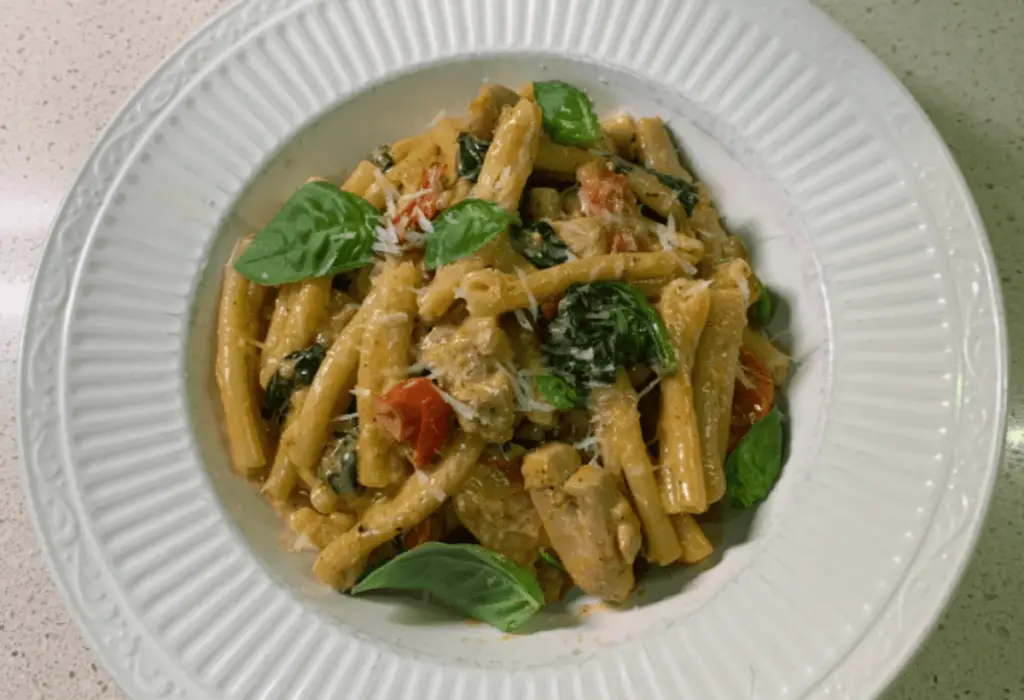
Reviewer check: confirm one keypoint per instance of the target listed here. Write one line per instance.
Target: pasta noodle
(504, 329)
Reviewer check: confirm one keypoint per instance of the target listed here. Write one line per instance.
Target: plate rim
(992, 462)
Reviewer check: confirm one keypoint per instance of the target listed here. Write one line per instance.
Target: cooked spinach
(321, 230)
(548, 556)
(537, 242)
(483, 584)
(684, 192)
(602, 326)
(338, 465)
(296, 370)
(471, 155)
(382, 158)
(754, 466)
(560, 393)
(568, 114)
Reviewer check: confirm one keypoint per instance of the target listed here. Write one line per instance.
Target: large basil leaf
(296, 370)
(602, 326)
(537, 242)
(558, 392)
(474, 580)
(568, 114)
(464, 229)
(762, 310)
(472, 152)
(753, 467)
(321, 230)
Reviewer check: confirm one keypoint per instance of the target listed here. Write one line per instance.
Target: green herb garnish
(321, 230)
(762, 310)
(464, 229)
(754, 466)
(568, 114)
(559, 393)
(474, 580)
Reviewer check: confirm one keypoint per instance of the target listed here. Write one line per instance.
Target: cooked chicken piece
(470, 361)
(499, 513)
(590, 523)
(585, 236)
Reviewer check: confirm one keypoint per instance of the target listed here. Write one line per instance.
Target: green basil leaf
(557, 392)
(464, 229)
(537, 242)
(602, 326)
(295, 371)
(568, 114)
(321, 230)
(762, 310)
(471, 155)
(754, 466)
(483, 584)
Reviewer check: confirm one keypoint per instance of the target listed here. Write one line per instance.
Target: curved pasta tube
(694, 543)
(383, 361)
(491, 293)
(621, 443)
(235, 370)
(509, 160)
(684, 307)
(774, 360)
(305, 311)
(655, 148)
(423, 493)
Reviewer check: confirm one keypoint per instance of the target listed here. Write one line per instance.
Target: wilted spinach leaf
(382, 158)
(685, 193)
(340, 460)
(560, 393)
(762, 310)
(537, 242)
(471, 155)
(602, 326)
(296, 370)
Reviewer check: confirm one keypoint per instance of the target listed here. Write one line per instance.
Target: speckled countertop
(65, 67)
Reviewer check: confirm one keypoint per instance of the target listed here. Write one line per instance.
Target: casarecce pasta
(520, 341)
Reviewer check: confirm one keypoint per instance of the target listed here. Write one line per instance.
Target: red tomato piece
(750, 403)
(415, 414)
(426, 201)
(607, 193)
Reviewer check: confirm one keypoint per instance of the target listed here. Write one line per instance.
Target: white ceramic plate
(857, 217)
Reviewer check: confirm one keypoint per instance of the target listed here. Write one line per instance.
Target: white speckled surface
(66, 67)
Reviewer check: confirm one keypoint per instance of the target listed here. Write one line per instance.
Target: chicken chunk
(590, 523)
(471, 362)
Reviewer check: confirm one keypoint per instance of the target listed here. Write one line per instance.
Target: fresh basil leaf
(762, 310)
(537, 242)
(382, 158)
(558, 392)
(471, 155)
(321, 230)
(551, 559)
(295, 371)
(568, 114)
(483, 584)
(753, 467)
(464, 229)
(602, 326)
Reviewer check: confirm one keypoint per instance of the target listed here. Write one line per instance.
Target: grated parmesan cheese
(587, 443)
(523, 320)
(744, 286)
(534, 307)
(463, 410)
(360, 391)
(437, 118)
(650, 386)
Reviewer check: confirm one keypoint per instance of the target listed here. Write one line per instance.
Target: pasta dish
(510, 355)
